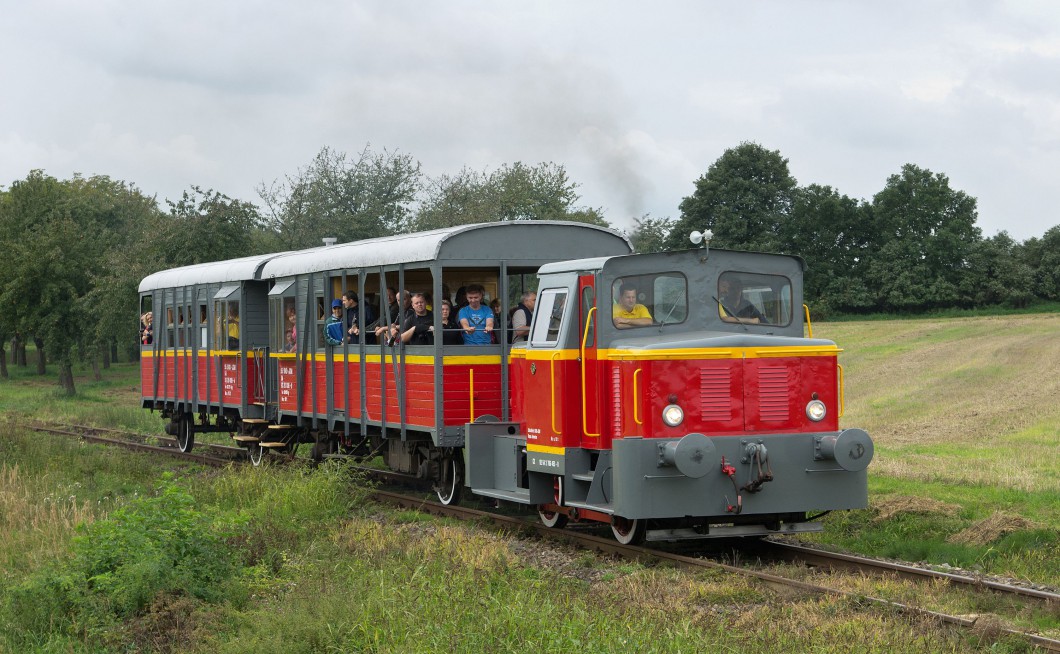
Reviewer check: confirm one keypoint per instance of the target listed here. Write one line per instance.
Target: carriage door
(591, 426)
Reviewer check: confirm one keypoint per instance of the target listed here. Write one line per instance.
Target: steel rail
(835, 560)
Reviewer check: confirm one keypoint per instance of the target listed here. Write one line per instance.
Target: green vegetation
(276, 559)
(110, 551)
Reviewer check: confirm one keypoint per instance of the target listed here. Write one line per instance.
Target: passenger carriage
(409, 403)
(204, 368)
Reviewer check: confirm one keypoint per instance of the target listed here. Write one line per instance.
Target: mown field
(109, 551)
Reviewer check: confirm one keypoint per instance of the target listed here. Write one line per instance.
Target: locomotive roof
(229, 270)
(485, 243)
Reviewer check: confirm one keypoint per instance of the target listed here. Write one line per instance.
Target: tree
(52, 244)
(1042, 256)
(996, 275)
(350, 199)
(926, 232)
(744, 198)
(834, 234)
(650, 234)
(202, 226)
(513, 192)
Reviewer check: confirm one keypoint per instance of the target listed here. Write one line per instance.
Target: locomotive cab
(675, 395)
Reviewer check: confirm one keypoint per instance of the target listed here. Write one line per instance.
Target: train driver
(730, 292)
(628, 313)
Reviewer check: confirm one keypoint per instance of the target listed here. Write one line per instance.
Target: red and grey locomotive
(669, 395)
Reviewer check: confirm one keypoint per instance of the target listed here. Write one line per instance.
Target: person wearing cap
(333, 325)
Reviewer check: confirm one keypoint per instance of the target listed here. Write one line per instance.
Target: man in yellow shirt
(627, 313)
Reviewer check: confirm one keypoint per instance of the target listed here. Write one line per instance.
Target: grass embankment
(964, 415)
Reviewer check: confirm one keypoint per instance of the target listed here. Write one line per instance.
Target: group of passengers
(411, 320)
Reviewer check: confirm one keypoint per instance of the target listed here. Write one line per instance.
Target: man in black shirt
(418, 326)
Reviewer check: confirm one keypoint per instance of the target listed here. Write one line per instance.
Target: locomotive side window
(754, 299)
(548, 316)
(645, 300)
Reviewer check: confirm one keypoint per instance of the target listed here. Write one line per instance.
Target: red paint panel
(456, 380)
(231, 385)
(555, 424)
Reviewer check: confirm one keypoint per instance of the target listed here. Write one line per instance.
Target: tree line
(72, 252)
(914, 248)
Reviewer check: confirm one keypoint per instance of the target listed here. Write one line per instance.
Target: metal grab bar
(809, 325)
(552, 388)
(842, 394)
(585, 404)
(636, 397)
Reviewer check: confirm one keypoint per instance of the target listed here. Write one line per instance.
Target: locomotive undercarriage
(672, 489)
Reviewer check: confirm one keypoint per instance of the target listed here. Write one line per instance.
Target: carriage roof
(229, 270)
(531, 242)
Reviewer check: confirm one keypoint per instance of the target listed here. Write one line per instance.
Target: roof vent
(329, 240)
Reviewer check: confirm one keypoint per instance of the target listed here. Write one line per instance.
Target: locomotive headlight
(673, 415)
(816, 410)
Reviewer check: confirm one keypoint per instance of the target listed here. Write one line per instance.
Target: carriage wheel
(452, 475)
(186, 434)
(549, 518)
(626, 531)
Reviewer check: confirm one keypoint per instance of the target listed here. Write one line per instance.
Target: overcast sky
(635, 99)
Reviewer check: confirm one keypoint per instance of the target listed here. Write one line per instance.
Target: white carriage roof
(534, 240)
(230, 270)
(574, 265)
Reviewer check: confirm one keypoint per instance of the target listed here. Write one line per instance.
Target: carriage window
(202, 325)
(754, 299)
(548, 316)
(653, 299)
(285, 325)
(147, 328)
(232, 325)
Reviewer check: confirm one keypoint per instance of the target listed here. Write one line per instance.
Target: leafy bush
(153, 545)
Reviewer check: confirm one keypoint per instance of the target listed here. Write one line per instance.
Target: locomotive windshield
(754, 299)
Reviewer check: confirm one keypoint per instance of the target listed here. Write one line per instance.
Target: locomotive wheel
(186, 434)
(452, 475)
(255, 453)
(626, 531)
(553, 519)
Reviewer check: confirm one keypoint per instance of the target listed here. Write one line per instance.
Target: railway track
(770, 550)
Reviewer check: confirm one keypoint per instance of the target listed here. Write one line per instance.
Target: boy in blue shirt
(475, 319)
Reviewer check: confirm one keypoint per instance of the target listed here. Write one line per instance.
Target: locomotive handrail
(809, 325)
(471, 391)
(552, 389)
(636, 397)
(842, 395)
(585, 411)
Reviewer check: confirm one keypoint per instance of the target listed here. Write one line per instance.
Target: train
(670, 395)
